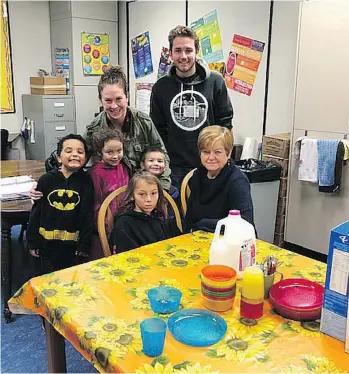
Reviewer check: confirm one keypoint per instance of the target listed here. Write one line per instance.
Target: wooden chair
(105, 217)
(185, 191)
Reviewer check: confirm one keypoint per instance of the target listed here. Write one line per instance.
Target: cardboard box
(283, 187)
(276, 145)
(335, 305)
(347, 335)
(48, 86)
(280, 224)
(283, 162)
(279, 240)
(281, 208)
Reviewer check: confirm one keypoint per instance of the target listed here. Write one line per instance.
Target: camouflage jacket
(139, 133)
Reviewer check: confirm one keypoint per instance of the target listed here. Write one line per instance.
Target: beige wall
(31, 50)
(282, 69)
(31, 37)
(68, 20)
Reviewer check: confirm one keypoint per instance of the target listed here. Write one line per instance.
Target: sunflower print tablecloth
(98, 307)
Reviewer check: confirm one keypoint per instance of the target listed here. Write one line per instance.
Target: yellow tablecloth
(98, 307)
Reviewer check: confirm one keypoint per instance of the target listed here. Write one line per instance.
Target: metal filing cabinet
(54, 118)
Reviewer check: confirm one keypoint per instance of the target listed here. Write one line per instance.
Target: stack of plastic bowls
(218, 287)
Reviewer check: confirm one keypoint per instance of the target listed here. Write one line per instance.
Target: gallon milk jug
(237, 246)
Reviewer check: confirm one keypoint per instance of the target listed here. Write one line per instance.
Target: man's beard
(186, 69)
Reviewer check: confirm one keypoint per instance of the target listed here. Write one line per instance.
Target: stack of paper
(15, 188)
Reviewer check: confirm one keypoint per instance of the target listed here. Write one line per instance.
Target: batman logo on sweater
(64, 199)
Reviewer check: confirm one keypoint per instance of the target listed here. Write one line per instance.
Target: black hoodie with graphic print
(181, 107)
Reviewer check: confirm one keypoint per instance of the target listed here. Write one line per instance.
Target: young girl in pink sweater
(111, 172)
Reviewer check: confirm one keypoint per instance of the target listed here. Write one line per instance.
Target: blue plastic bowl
(197, 327)
(164, 299)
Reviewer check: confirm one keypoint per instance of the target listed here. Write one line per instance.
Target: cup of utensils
(269, 267)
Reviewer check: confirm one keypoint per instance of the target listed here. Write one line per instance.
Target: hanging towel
(297, 147)
(346, 149)
(308, 161)
(327, 151)
(337, 170)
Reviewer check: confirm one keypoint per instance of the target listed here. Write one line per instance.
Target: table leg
(55, 350)
(6, 271)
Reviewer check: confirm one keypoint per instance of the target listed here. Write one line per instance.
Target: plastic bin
(264, 178)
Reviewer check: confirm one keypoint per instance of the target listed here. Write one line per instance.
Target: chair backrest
(4, 143)
(175, 210)
(105, 217)
(185, 191)
(51, 163)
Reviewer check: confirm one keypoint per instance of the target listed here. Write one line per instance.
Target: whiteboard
(157, 17)
(250, 19)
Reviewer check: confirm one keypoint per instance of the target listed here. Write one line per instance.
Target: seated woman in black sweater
(216, 186)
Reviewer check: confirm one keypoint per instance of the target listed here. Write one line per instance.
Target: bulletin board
(7, 95)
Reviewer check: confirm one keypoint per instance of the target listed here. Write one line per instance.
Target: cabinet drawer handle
(59, 114)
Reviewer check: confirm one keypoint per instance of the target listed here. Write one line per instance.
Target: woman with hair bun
(137, 127)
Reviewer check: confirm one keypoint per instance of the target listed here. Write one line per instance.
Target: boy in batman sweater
(61, 223)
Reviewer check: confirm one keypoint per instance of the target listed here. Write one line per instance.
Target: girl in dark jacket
(144, 218)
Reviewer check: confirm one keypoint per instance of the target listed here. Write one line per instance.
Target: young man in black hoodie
(61, 223)
(185, 101)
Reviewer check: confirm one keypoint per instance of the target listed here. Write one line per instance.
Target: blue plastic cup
(153, 332)
(164, 299)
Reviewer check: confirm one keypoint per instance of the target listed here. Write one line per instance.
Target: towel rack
(345, 136)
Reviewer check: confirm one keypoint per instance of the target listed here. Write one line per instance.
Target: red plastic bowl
(297, 298)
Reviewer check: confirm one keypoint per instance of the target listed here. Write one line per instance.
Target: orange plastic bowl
(218, 276)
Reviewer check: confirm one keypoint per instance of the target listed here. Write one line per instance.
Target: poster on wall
(141, 55)
(63, 64)
(219, 67)
(207, 29)
(164, 63)
(7, 95)
(95, 53)
(242, 64)
(143, 93)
